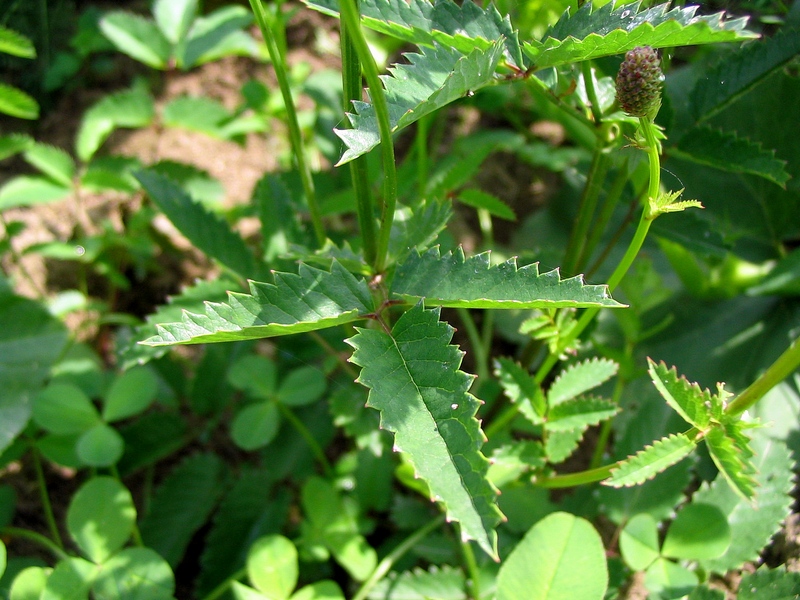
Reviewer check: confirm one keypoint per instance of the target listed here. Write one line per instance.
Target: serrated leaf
(607, 30)
(727, 151)
(521, 388)
(415, 382)
(201, 113)
(130, 108)
(313, 299)
(740, 71)
(13, 144)
(579, 378)
(17, 103)
(53, 162)
(753, 523)
(456, 281)
(692, 403)
(433, 79)
(181, 505)
(464, 27)
(174, 17)
(418, 228)
(769, 584)
(649, 462)
(579, 413)
(204, 229)
(560, 445)
(442, 583)
(137, 37)
(488, 202)
(14, 43)
(732, 461)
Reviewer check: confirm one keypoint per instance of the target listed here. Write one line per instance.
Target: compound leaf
(727, 151)
(313, 299)
(691, 402)
(579, 378)
(421, 22)
(415, 382)
(433, 79)
(607, 30)
(651, 461)
(204, 229)
(455, 281)
(579, 413)
(753, 522)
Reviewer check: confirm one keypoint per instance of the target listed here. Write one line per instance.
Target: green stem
(350, 16)
(575, 479)
(473, 583)
(785, 364)
(309, 438)
(591, 194)
(46, 506)
(476, 342)
(390, 559)
(421, 148)
(591, 92)
(606, 212)
(225, 585)
(351, 86)
(37, 538)
(265, 23)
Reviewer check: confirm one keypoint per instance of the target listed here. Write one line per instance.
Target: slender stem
(574, 479)
(474, 582)
(38, 538)
(476, 341)
(265, 23)
(45, 497)
(309, 438)
(586, 209)
(390, 559)
(606, 212)
(605, 428)
(225, 585)
(349, 15)
(421, 147)
(351, 88)
(591, 92)
(785, 364)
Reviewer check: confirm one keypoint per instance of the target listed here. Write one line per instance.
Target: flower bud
(639, 82)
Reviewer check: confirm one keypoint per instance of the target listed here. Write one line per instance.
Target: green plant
(13, 101)
(392, 498)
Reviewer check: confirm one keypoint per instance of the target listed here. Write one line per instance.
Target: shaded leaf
(543, 565)
(692, 403)
(204, 229)
(181, 505)
(521, 388)
(313, 299)
(579, 413)
(579, 378)
(739, 71)
(456, 281)
(732, 460)
(414, 381)
(699, 531)
(607, 30)
(638, 542)
(418, 228)
(769, 584)
(488, 202)
(431, 80)
(463, 27)
(14, 143)
(753, 523)
(442, 583)
(649, 462)
(135, 574)
(218, 33)
(725, 150)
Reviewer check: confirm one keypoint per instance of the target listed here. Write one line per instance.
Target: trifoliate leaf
(313, 299)
(415, 382)
(456, 281)
(649, 462)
